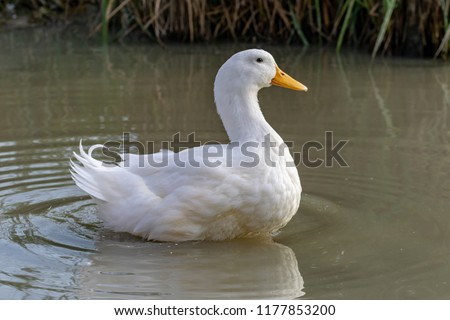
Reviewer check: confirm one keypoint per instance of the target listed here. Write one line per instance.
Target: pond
(374, 227)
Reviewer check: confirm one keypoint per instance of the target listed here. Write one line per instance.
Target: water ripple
(44, 226)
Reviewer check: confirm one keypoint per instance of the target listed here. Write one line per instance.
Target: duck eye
(259, 60)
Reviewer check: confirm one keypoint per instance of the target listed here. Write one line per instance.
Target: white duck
(222, 192)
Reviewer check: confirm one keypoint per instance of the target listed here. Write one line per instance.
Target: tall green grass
(405, 27)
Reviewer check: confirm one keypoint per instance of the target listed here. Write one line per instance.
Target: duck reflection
(246, 268)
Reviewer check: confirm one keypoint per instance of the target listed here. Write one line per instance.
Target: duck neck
(242, 116)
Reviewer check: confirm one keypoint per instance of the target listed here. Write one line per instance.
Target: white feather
(174, 203)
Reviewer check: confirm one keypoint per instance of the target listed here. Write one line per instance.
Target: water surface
(377, 229)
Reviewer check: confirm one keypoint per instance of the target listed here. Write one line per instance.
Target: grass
(402, 27)
(389, 6)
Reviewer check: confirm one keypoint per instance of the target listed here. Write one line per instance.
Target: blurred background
(418, 28)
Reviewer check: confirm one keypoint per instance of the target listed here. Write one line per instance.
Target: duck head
(252, 70)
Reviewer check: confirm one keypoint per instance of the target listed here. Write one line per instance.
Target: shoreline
(393, 28)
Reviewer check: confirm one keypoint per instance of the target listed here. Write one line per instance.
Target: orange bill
(282, 79)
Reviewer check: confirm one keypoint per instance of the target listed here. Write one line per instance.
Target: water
(378, 228)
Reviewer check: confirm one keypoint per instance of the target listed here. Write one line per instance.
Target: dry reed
(411, 28)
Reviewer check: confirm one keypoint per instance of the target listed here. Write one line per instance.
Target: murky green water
(379, 228)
